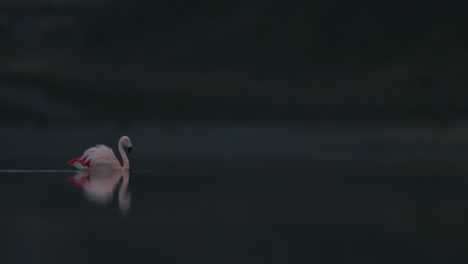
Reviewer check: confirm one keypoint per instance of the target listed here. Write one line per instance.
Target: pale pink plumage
(103, 156)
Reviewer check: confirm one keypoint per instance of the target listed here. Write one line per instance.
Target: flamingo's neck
(124, 156)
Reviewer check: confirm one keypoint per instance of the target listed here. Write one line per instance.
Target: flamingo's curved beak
(129, 149)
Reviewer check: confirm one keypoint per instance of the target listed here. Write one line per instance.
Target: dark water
(367, 211)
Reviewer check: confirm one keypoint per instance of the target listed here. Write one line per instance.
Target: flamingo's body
(102, 156)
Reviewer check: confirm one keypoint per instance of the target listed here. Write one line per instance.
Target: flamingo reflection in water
(98, 186)
(100, 172)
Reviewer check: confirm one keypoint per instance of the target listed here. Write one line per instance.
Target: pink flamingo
(102, 156)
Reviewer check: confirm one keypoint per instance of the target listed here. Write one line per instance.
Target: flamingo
(101, 156)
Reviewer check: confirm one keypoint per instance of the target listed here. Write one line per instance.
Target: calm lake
(329, 212)
(353, 205)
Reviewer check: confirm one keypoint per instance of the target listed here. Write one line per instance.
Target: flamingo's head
(126, 143)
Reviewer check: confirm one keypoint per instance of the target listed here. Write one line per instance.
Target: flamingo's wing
(100, 155)
(79, 163)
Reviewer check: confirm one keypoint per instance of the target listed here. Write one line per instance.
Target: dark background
(222, 61)
(264, 131)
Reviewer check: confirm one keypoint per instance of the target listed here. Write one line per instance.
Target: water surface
(368, 211)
